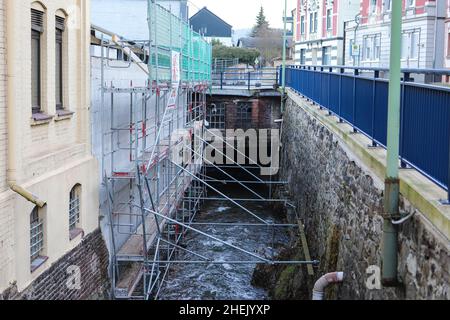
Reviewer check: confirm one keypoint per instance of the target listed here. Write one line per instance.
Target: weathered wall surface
(341, 204)
(264, 110)
(79, 275)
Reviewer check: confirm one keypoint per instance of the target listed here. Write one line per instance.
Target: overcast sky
(242, 14)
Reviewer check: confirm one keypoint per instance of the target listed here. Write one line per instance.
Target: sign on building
(176, 78)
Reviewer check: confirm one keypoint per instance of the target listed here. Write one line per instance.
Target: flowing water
(224, 281)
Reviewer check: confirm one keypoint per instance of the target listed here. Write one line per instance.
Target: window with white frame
(74, 207)
(302, 56)
(371, 47)
(410, 45)
(315, 22)
(302, 25)
(36, 236)
(326, 56)
(373, 6)
(311, 22)
(329, 19)
(387, 5)
(410, 4)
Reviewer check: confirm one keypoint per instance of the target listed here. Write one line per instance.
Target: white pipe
(324, 281)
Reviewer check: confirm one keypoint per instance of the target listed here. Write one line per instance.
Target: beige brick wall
(3, 125)
(6, 203)
(49, 157)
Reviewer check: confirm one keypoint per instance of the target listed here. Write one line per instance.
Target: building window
(216, 116)
(326, 56)
(302, 24)
(329, 19)
(74, 208)
(315, 22)
(372, 47)
(302, 56)
(387, 5)
(410, 4)
(373, 6)
(37, 28)
(36, 238)
(448, 45)
(60, 23)
(410, 45)
(244, 116)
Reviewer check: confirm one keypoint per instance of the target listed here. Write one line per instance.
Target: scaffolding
(152, 198)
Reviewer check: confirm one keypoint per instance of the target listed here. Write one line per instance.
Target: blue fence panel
(334, 93)
(347, 98)
(363, 103)
(425, 131)
(325, 90)
(380, 112)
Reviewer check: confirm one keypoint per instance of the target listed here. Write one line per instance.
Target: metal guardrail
(362, 102)
(246, 78)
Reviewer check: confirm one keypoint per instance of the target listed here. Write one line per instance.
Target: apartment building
(319, 30)
(48, 177)
(368, 39)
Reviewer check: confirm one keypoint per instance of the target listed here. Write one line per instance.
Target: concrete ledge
(421, 192)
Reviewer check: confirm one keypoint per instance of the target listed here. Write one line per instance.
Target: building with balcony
(319, 30)
(368, 39)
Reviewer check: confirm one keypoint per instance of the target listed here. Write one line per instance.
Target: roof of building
(210, 24)
(205, 9)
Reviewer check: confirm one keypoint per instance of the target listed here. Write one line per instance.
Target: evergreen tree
(262, 24)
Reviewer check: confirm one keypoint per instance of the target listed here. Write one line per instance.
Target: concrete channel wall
(336, 182)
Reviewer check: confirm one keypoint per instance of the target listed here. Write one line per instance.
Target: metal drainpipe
(391, 193)
(13, 128)
(283, 79)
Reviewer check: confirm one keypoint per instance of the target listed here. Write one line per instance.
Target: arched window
(74, 209)
(36, 235)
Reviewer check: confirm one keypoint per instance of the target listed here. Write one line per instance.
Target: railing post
(321, 75)
(356, 73)
(341, 71)
(406, 78)
(374, 94)
(330, 70)
(448, 181)
(221, 80)
(249, 80)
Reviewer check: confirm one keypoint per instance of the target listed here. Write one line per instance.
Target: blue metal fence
(362, 102)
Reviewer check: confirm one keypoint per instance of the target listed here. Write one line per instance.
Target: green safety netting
(170, 33)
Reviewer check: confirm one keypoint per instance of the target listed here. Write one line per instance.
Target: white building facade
(368, 42)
